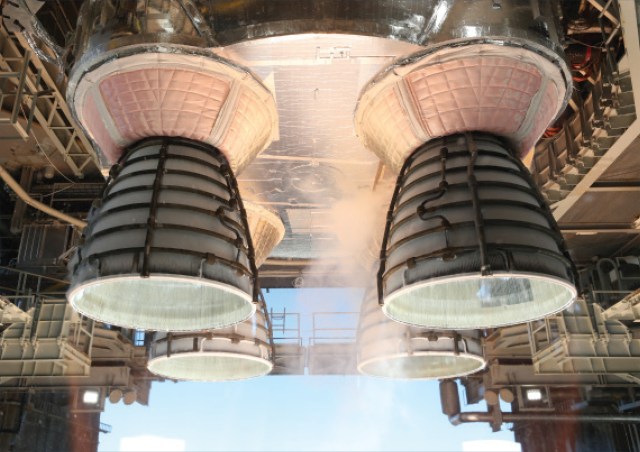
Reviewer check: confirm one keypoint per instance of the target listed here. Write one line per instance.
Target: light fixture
(534, 394)
(470, 243)
(90, 397)
(130, 397)
(115, 395)
(390, 349)
(168, 248)
(238, 352)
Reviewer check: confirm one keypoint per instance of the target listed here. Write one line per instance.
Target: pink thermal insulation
(387, 112)
(542, 118)
(488, 93)
(93, 120)
(246, 128)
(163, 102)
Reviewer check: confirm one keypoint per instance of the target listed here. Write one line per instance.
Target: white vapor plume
(357, 220)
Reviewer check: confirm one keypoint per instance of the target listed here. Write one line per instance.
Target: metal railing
(334, 327)
(37, 99)
(15, 93)
(285, 327)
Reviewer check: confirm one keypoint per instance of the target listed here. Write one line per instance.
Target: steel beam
(632, 44)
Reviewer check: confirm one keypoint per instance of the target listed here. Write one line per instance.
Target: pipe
(450, 402)
(24, 196)
(461, 418)
(478, 219)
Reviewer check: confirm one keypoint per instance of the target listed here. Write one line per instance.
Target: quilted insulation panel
(200, 97)
(509, 92)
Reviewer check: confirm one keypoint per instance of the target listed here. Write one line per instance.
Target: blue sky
(295, 413)
(307, 413)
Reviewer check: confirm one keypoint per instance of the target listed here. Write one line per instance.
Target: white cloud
(490, 445)
(148, 443)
